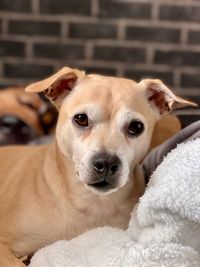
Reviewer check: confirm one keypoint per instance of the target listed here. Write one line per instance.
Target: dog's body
(89, 176)
(37, 209)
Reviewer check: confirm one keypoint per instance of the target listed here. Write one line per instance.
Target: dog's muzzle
(105, 172)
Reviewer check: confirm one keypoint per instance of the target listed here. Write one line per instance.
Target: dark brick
(190, 80)
(165, 76)
(11, 48)
(27, 70)
(34, 28)
(92, 30)
(100, 70)
(177, 58)
(109, 9)
(153, 34)
(65, 7)
(119, 53)
(59, 51)
(180, 13)
(194, 37)
(15, 5)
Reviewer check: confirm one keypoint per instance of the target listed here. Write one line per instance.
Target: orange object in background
(24, 117)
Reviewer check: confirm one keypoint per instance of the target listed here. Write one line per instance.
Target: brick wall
(132, 38)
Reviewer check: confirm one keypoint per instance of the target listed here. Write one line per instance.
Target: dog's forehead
(107, 85)
(105, 95)
(102, 89)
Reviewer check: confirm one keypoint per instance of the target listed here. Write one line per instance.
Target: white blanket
(164, 229)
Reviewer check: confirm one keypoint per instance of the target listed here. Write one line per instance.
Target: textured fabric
(157, 154)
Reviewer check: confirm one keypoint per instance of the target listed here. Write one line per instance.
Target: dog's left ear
(161, 97)
(57, 86)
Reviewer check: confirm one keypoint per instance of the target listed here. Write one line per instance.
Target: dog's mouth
(103, 186)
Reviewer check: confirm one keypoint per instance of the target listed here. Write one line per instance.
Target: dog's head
(105, 124)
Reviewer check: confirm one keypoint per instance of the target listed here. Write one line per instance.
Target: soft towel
(164, 229)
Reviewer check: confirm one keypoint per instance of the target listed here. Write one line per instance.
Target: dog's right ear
(57, 86)
(161, 98)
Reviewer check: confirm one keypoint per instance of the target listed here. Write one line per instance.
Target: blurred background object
(24, 117)
(131, 38)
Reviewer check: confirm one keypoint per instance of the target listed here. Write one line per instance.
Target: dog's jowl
(89, 176)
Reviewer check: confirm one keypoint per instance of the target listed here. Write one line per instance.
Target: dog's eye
(135, 128)
(81, 120)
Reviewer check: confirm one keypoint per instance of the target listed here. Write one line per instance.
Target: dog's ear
(161, 97)
(57, 86)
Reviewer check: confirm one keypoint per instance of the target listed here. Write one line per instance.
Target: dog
(24, 117)
(90, 175)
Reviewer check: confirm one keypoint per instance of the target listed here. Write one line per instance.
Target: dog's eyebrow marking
(125, 115)
(93, 111)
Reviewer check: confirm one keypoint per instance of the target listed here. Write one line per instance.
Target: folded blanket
(164, 229)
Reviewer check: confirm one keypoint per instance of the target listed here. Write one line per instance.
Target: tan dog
(89, 176)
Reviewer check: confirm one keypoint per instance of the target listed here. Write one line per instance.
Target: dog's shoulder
(14, 158)
(19, 150)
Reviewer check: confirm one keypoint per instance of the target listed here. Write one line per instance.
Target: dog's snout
(105, 164)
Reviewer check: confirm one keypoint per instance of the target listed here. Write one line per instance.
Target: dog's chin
(102, 187)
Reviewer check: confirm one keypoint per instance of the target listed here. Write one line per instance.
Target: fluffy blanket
(165, 225)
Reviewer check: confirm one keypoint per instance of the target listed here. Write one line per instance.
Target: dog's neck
(59, 180)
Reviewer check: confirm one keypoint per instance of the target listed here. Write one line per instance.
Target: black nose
(105, 164)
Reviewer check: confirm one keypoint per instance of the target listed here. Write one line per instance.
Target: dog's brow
(125, 115)
(93, 111)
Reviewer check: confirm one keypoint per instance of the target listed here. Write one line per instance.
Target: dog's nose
(105, 164)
